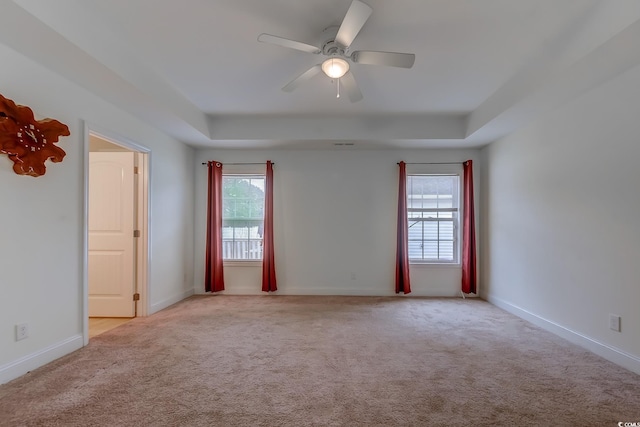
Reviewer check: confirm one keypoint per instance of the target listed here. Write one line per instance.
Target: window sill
(423, 264)
(242, 263)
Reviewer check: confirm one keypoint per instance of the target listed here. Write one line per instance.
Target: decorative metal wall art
(29, 142)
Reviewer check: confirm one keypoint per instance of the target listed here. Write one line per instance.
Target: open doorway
(116, 232)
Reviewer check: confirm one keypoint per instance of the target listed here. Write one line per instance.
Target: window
(432, 214)
(242, 217)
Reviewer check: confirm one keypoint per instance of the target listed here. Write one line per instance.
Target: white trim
(613, 354)
(85, 237)
(454, 170)
(143, 255)
(308, 291)
(387, 292)
(242, 263)
(439, 264)
(40, 358)
(170, 301)
(145, 265)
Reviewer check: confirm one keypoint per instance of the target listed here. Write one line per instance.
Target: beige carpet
(325, 361)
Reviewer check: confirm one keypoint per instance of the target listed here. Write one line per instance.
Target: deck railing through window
(242, 249)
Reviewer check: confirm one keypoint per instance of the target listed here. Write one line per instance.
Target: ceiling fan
(335, 47)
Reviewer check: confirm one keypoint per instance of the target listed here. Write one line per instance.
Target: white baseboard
(334, 291)
(615, 355)
(40, 358)
(236, 290)
(161, 305)
(245, 290)
(320, 291)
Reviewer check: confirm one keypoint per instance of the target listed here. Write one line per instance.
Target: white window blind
(433, 216)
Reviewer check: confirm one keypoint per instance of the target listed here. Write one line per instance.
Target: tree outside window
(242, 216)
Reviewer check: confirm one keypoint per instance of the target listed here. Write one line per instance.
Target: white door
(111, 241)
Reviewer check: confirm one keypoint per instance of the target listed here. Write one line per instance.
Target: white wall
(41, 251)
(334, 217)
(561, 231)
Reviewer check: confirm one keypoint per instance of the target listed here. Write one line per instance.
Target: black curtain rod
(435, 163)
(264, 163)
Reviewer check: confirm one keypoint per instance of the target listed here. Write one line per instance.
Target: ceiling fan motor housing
(329, 45)
(335, 44)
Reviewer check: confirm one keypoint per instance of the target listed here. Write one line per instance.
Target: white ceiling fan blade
(353, 22)
(392, 59)
(290, 87)
(349, 85)
(291, 44)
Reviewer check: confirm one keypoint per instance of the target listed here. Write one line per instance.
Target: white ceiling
(195, 69)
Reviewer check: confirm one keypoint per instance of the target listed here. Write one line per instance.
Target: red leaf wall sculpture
(29, 142)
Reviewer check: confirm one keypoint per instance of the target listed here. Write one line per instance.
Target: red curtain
(402, 252)
(468, 232)
(268, 258)
(213, 276)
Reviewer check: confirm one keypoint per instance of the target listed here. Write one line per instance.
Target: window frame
(441, 170)
(240, 261)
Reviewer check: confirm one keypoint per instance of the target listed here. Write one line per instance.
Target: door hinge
(136, 233)
(136, 297)
(136, 171)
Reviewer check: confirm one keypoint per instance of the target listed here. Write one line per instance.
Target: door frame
(143, 260)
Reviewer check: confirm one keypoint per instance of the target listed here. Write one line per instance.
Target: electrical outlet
(22, 331)
(614, 322)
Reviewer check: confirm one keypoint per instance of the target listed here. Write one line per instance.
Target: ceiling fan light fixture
(335, 67)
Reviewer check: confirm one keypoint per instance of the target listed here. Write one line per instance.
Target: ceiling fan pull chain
(338, 84)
